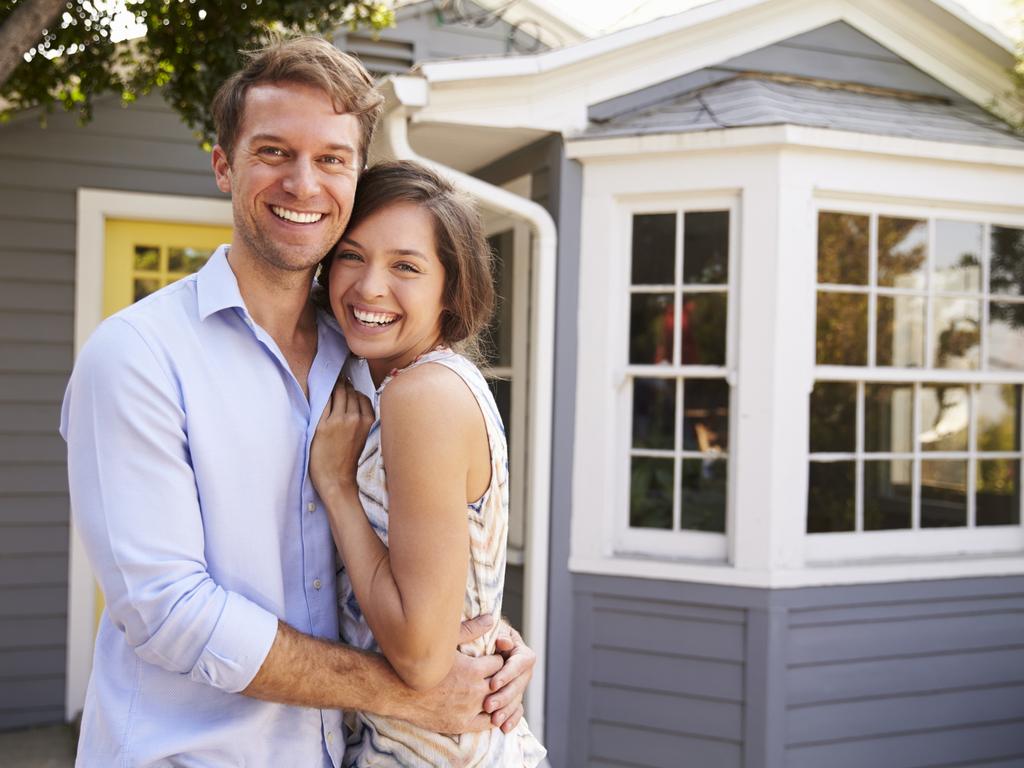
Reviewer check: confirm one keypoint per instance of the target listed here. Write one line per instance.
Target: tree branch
(23, 29)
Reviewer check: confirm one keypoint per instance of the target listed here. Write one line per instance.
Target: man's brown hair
(310, 61)
(468, 297)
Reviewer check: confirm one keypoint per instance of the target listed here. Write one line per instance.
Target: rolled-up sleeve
(137, 511)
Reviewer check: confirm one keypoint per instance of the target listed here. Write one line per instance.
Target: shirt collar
(217, 286)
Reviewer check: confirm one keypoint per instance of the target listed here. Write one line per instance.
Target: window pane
(147, 258)
(1006, 336)
(957, 262)
(842, 248)
(704, 323)
(654, 249)
(1006, 267)
(833, 417)
(650, 328)
(650, 493)
(186, 259)
(830, 497)
(998, 496)
(887, 489)
(654, 413)
(145, 286)
(703, 495)
(999, 417)
(902, 252)
(945, 413)
(705, 415)
(955, 336)
(888, 418)
(842, 337)
(943, 494)
(900, 331)
(706, 247)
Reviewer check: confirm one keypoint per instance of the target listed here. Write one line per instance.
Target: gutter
(405, 95)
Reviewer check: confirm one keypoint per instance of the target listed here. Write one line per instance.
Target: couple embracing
(232, 439)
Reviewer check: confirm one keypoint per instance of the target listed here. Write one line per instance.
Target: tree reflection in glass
(651, 319)
(833, 417)
(843, 248)
(654, 249)
(1005, 336)
(706, 248)
(998, 417)
(702, 505)
(650, 493)
(1006, 264)
(887, 493)
(943, 493)
(902, 252)
(842, 334)
(654, 413)
(997, 499)
(899, 339)
(830, 499)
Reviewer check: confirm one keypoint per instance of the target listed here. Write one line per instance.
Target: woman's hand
(339, 440)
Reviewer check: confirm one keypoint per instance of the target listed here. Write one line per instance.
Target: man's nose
(302, 181)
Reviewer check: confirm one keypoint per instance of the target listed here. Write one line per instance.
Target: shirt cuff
(238, 646)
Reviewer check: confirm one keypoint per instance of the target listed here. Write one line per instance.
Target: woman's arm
(411, 592)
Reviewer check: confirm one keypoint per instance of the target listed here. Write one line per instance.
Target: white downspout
(410, 93)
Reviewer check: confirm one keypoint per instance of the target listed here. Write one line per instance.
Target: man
(189, 418)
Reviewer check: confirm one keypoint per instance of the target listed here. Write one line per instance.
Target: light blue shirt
(188, 443)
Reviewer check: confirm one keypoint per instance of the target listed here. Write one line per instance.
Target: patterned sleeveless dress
(379, 741)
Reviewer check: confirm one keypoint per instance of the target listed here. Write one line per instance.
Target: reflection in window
(679, 307)
(902, 251)
(830, 498)
(888, 494)
(842, 337)
(957, 266)
(943, 494)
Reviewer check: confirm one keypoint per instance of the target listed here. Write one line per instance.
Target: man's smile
(296, 217)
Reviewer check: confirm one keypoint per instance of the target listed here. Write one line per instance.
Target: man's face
(292, 177)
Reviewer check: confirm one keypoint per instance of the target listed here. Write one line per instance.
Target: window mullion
(858, 491)
(677, 471)
(915, 482)
(872, 288)
(972, 456)
(986, 247)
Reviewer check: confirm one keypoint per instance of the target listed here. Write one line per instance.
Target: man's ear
(221, 168)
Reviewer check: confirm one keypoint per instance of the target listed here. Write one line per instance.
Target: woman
(420, 512)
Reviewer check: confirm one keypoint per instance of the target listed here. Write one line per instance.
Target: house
(762, 347)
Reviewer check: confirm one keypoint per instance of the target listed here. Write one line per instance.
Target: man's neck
(277, 299)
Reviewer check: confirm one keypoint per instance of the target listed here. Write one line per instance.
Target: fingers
(473, 628)
(507, 719)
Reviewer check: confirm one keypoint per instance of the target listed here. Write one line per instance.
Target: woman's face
(386, 287)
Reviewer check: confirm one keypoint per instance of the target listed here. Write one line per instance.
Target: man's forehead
(271, 107)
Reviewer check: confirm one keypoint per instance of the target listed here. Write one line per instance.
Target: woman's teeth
(374, 318)
(296, 216)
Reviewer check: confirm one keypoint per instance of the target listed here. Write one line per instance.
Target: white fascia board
(794, 136)
(986, 30)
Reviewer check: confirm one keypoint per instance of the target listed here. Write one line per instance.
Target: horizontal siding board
(31, 662)
(32, 570)
(56, 266)
(34, 540)
(33, 601)
(33, 387)
(36, 327)
(669, 674)
(905, 610)
(31, 632)
(891, 677)
(33, 418)
(34, 234)
(647, 632)
(34, 478)
(39, 508)
(16, 449)
(36, 295)
(912, 593)
(20, 717)
(126, 150)
(40, 692)
(915, 750)
(666, 712)
(670, 609)
(44, 174)
(43, 358)
(896, 638)
(659, 749)
(877, 717)
(56, 205)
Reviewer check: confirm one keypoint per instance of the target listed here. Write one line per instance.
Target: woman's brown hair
(459, 240)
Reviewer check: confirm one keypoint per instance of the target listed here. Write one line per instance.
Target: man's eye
(271, 151)
(333, 160)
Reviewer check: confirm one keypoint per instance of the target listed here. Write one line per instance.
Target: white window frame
(864, 546)
(622, 539)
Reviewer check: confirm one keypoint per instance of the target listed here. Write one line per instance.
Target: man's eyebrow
(275, 139)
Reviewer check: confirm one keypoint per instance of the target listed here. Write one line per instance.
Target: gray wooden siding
(908, 675)
(144, 148)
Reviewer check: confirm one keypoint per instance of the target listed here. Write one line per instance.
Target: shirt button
(316, 584)
(330, 736)
(311, 507)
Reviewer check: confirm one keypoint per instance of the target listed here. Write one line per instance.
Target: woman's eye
(348, 256)
(405, 267)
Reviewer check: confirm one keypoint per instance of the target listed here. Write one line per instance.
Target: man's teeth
(296, 216)
(374, 318)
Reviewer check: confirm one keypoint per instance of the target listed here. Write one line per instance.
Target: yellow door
(142, 256)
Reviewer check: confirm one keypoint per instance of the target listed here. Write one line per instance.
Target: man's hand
(509, 684)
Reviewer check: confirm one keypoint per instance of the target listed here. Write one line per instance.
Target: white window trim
(95, 206)
(863, 547)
